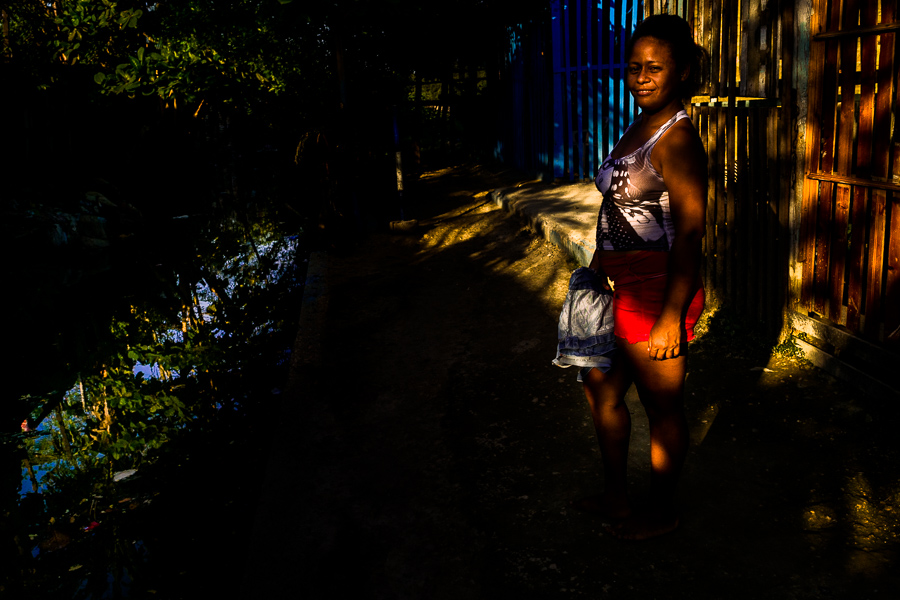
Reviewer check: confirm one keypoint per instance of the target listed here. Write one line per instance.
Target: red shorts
(639, 281)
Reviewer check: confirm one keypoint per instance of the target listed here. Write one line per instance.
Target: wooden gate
(850, 227)
(745, 121)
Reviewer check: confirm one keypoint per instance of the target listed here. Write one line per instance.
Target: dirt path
(430, 448)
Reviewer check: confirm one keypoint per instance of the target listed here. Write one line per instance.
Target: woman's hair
(675, 31)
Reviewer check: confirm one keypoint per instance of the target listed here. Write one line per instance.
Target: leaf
(140, 55)
(99, 78)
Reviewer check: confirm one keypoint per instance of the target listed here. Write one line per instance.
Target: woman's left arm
(681, 160)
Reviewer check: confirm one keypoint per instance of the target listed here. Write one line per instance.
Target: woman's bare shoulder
(681, 142)
(681, 136)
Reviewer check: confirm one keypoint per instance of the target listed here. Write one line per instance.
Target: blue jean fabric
(585, 330)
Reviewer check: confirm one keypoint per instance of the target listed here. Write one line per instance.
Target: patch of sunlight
(437, 173)
(819, 517)
(447, 237)
(876, 525)
(498, 265)
(433, 239)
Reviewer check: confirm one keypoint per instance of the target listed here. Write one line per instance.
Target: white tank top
(635, 212)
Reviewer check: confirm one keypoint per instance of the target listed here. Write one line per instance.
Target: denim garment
(585, 330)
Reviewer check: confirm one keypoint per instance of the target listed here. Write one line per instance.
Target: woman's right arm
(595, 261)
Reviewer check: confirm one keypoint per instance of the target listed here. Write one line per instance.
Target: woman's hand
(665, 338)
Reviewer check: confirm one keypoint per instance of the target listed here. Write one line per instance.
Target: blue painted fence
(567, 93)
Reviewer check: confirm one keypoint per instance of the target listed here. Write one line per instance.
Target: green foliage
(204, 350)
(247, 50)
(183, 52)
(789, 348)
(69, 33)
(189, 58)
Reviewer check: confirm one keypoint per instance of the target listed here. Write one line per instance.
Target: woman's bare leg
(612, 421)
(660, 385)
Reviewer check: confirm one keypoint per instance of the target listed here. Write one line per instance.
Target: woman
(648, 243)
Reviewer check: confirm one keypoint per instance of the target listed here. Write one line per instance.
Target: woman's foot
(645, 525)
(604, 505)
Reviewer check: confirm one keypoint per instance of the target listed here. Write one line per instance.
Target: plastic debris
(124, 474)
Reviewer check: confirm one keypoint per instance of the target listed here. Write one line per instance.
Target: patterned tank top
(635, 212)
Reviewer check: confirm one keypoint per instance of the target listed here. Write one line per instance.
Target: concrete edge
(263, 568)
(847, 373)
(550, 231)
(307, 347)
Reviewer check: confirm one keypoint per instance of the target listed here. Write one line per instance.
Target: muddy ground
(433, 448)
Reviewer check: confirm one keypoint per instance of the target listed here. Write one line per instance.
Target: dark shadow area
(439, 458)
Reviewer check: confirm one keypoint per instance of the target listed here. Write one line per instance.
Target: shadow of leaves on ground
(436, 447)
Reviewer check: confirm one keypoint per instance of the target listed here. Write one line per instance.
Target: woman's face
(652, 76)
